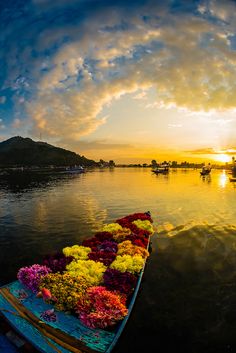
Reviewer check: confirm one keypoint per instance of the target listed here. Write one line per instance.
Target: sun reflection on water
(223, 179)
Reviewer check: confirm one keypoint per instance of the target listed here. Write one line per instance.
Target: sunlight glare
(223, 179)
(223, 157)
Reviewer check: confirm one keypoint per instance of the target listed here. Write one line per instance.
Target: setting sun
(224, 158)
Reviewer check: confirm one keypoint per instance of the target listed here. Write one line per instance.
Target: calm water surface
(187, 301)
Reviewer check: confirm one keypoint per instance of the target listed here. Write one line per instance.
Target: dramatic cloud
(73, 59)
(187, 59)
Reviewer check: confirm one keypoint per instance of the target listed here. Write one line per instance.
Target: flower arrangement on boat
(96, 279)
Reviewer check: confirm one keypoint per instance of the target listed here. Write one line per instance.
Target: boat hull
(161, 171)
(205, 173)
(232, 179)
(66, 333)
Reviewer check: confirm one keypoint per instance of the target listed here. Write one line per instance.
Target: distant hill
(19, 151)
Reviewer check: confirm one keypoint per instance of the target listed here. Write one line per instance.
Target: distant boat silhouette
(74, 170)
(206, 170)
(161, 169)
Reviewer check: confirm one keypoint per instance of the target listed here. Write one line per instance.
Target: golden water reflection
(189, 287)
(223, 179)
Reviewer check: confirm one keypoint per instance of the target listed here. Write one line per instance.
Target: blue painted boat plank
(99, 340)
(6, 346)
(93, 338)
(96, 339)
(28, 331)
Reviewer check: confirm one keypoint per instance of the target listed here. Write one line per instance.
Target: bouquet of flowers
(91, 270)
(126, 247)
(63, 290)
(100, 308)
(57, 262)
(79, 252)
(31, 276)
(95, 279)
(123, 282)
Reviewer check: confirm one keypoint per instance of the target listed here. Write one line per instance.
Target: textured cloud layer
(74, 58)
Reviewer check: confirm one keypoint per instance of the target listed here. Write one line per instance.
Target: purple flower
(49, 315)
(57, 262)
(124, 282)
(109, 246)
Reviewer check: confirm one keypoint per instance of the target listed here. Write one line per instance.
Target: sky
(128, 81)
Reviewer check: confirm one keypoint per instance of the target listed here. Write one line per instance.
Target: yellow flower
(145, 225)
(77, 251)
(132, 264)
(65, 293)
(127, 248)
(121, 235)
(91, 270)
(112, 228)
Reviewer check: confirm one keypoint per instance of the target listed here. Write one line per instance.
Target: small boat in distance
(162, 168)
(74, 170)
(232, 179)
(233, 168)
(206, 170)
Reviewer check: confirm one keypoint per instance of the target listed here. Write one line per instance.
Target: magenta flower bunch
(31, 276)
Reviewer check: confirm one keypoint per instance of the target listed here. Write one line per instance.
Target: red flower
(138, 239)
(134, 217)
(104, 236)
(92, 243)
(102, 256)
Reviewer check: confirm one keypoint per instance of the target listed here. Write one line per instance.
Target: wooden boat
(67, 335)
(6, 345)
(161, 169)
(232, 179)
(206, 172)
(74, 170)
(22, 310)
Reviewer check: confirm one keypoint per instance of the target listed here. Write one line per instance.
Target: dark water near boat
(187, 300)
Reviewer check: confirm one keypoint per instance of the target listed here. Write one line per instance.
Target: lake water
(187, 300)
